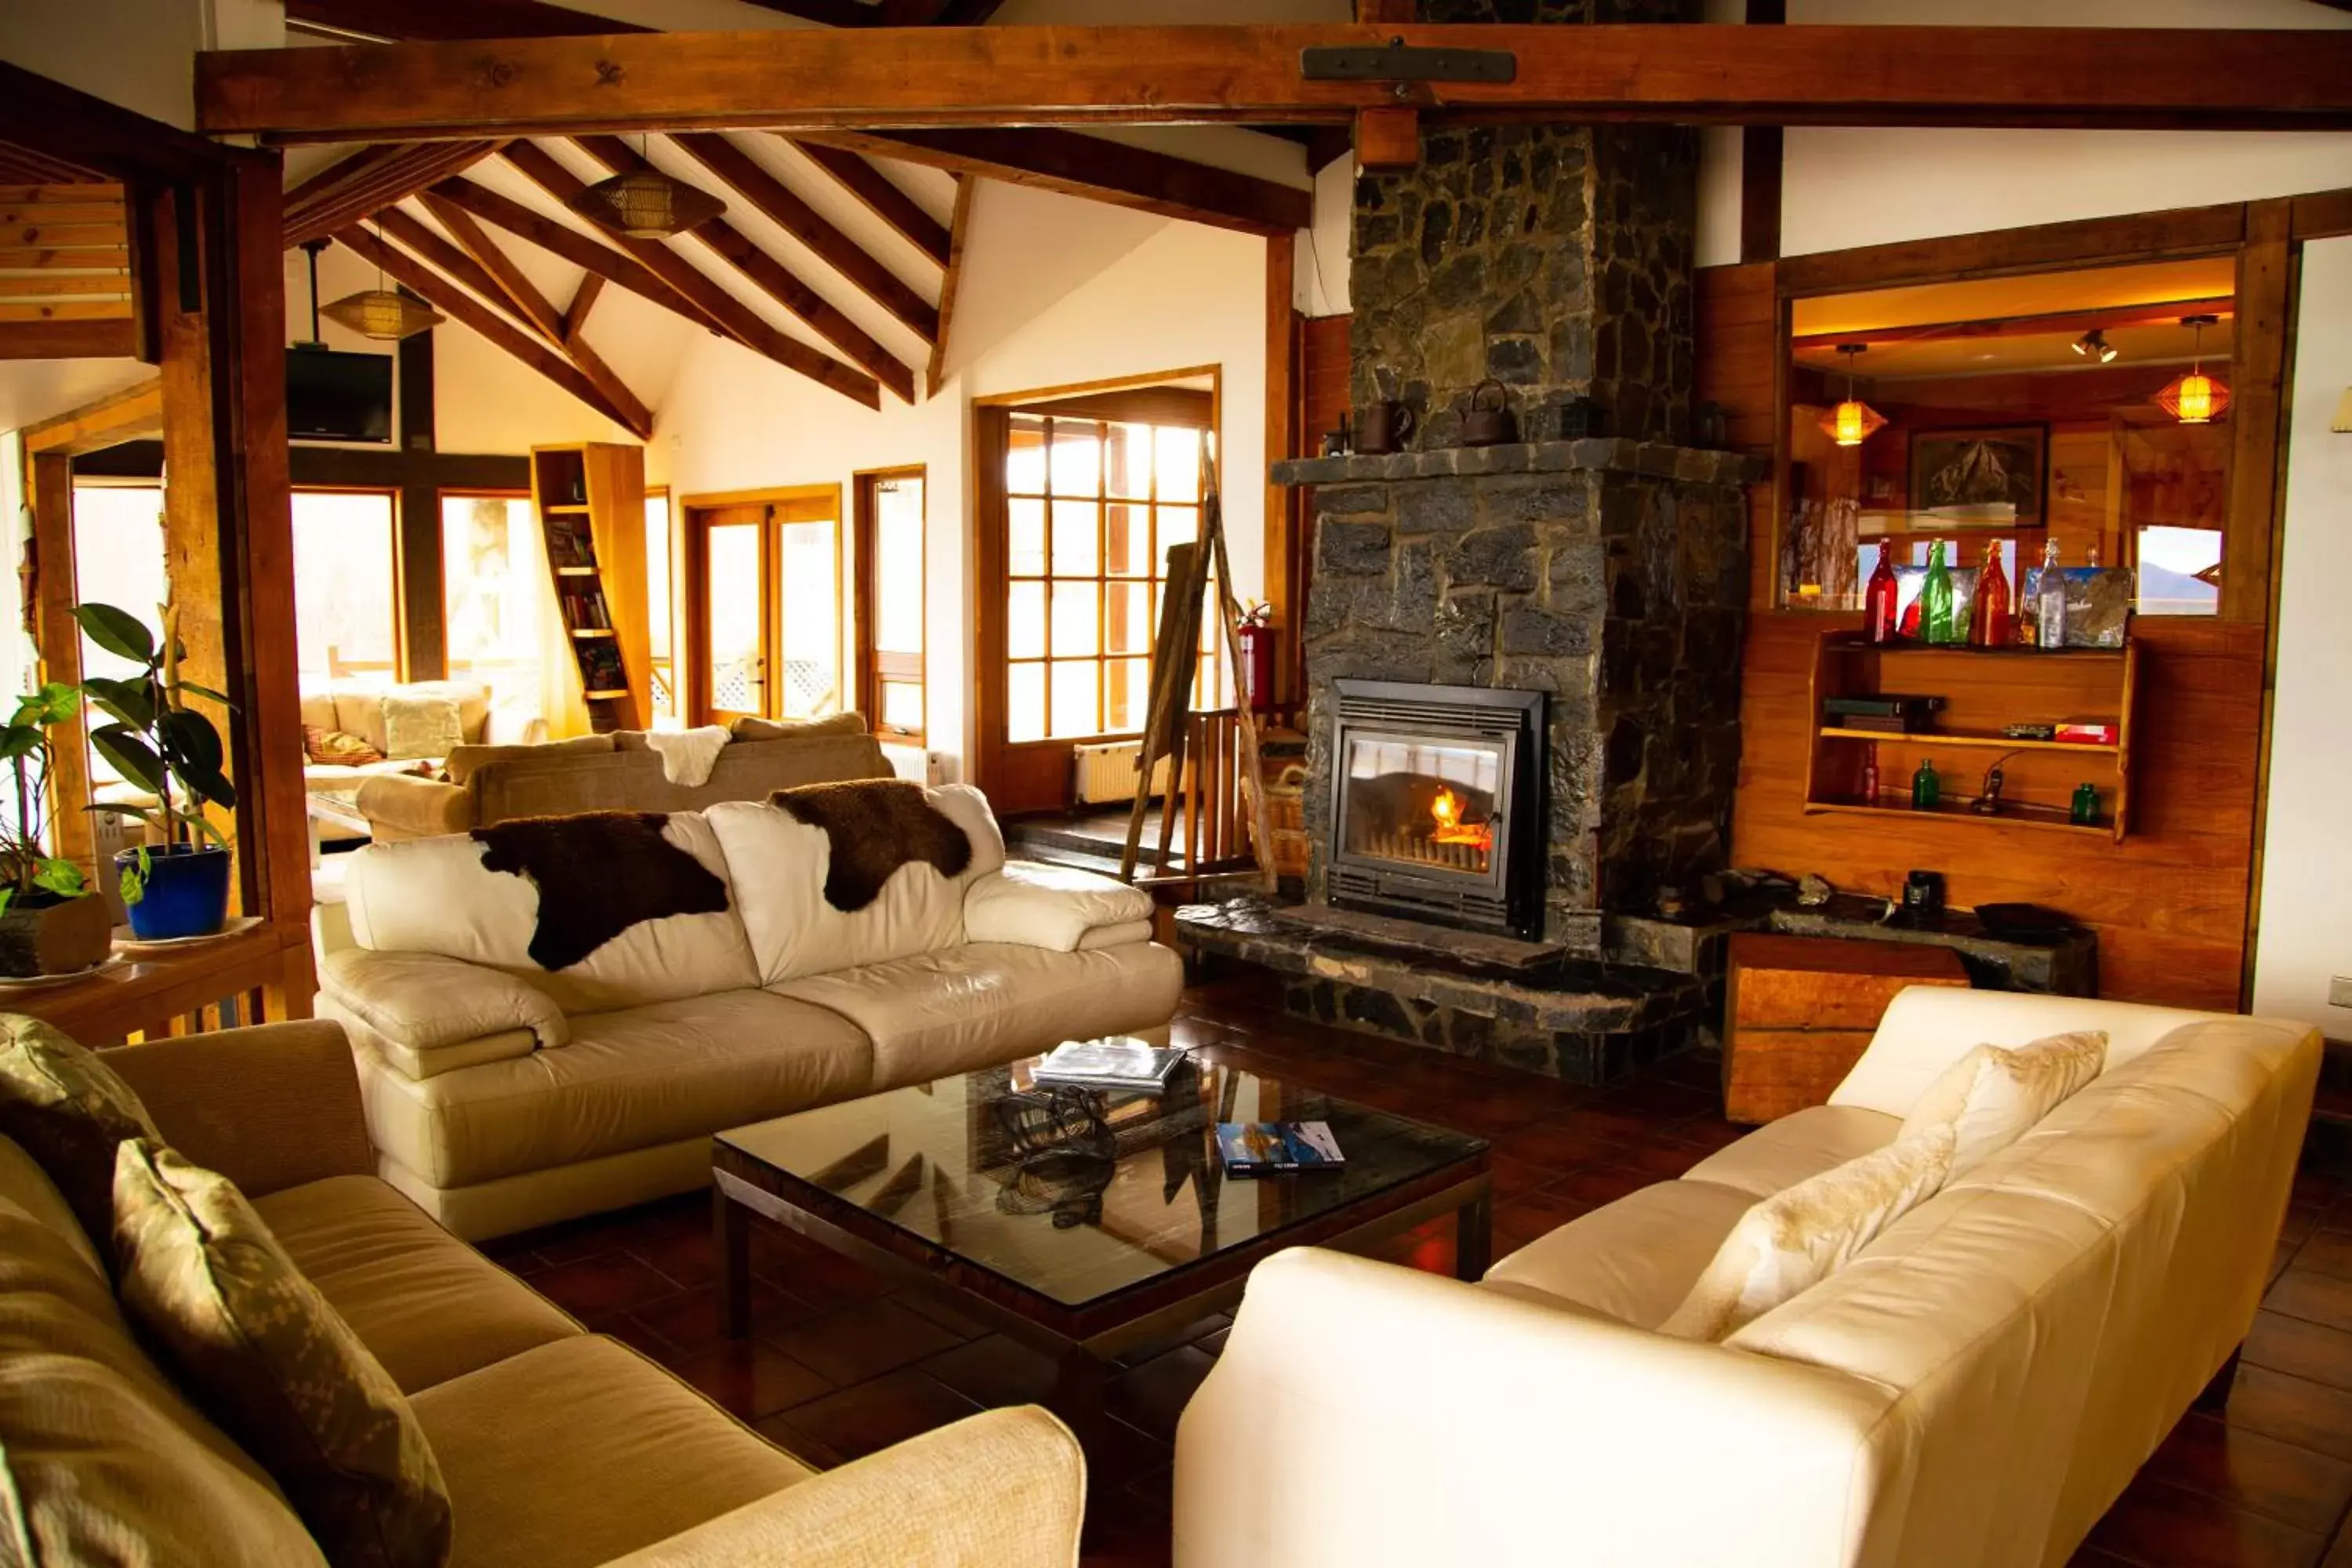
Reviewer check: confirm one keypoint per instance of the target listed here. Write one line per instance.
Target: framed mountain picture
(1988, 477)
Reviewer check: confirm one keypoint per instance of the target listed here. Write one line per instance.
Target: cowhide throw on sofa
(598, 874)
(875, 825)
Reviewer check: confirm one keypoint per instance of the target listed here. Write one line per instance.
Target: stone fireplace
(1589, 579)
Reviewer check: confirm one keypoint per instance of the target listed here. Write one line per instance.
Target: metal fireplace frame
(1508, 897)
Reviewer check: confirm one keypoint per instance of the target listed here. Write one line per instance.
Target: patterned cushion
(259, 1349)
(421, 727)
(339, 747)
(68, 1110)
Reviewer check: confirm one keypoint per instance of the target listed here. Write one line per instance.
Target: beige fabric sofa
(559, 1446)
(501, 1095)
(619, 771)
(358, 710)
(1973, 1391)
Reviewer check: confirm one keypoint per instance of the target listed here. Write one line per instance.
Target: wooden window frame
(694, 563)
(875, 668)
(675, 609)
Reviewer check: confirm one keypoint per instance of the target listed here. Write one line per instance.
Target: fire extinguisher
(1256, 678)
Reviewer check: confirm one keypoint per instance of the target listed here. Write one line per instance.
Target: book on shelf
(600, 666)
(568, 543)
(1273, 1148)
(1119, 1061)
(588, 611)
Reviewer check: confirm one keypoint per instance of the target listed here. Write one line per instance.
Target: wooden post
(49, 482)
(1282, 420)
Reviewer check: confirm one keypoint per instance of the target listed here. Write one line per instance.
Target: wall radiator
(1106, 772)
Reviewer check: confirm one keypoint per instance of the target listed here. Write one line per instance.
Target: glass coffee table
(1084, 1222)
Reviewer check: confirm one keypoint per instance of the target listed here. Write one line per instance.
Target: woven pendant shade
(381, 314)
(646, 204)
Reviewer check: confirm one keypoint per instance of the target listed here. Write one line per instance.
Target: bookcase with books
(2056, 723)
(590, 500)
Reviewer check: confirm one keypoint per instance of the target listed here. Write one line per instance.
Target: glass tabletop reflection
(1078, 1194)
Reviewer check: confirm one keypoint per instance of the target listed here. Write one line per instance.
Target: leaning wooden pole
(1229, 611)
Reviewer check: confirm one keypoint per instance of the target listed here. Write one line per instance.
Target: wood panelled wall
(2170, 903)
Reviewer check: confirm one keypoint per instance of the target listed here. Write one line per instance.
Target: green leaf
(189, 688)
(119, 632)
(130, 701)
(21, 741)
(204, 826)
(62, 878)
(134, 887)
(132, 757)
(144, 813)
(190, 745)
(5, 894)
(57, 702)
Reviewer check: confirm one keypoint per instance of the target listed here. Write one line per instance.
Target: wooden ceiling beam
(561, 239)
(880, 197)
(1075, 165)
(776, 202)
(936, 374)
(583, 299)
(370, 180)
(540, 311)
(735, 317)
(412, 235)
(811, 78)
(105, 337)
(775, 279)
(459, 305)
(2164, 313)
(449, 19)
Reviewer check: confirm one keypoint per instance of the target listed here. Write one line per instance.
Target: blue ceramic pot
(187, 891)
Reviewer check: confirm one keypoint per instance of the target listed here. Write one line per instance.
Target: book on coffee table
(1120, 1061)
(1271, 1148)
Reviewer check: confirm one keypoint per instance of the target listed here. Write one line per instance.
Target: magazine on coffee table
(1271, 1148)
(1120, 1061)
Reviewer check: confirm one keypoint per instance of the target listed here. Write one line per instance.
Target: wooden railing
(1204, 820)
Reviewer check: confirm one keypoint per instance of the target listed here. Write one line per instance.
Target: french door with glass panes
(764, 605)
(1087, 510)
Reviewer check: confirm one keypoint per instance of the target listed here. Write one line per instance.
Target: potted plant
(179, 886)
(49, 924)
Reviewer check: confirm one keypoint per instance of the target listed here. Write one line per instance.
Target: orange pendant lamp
(1852, 422)
(2195, 398)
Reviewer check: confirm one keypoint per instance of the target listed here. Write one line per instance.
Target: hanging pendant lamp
(2195, 398)
(1852, 422)
(381, 313)
(644, 202)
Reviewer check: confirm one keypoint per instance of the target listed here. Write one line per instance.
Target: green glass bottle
(1935, 599)
(1926, 787)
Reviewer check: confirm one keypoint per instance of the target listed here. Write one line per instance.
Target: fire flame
(1446, 812)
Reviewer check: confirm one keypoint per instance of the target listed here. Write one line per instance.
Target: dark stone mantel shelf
(1690, 465)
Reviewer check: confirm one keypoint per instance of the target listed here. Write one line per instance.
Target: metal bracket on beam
(1398, 61)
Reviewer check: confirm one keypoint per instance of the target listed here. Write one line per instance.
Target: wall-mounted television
(332, 395)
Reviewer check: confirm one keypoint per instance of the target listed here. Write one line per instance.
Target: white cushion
(433, 895)
(780, 868)
(1926, 1029)
(1049, 906)
(1990, 1097)
(1801, 1144)
(986, 1003)
(1793, 1240)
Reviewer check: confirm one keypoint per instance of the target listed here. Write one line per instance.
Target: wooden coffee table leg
(732, 1222)
(1474, 1236)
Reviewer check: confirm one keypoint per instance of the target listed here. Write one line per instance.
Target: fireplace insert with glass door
(1437, 803)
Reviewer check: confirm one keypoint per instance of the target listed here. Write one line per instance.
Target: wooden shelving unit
(590, 500)
(1983, 690)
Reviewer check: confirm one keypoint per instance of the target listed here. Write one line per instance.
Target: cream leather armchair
(1973, 1391)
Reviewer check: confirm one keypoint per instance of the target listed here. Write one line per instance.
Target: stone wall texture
(1554, 259)
(1611, 575)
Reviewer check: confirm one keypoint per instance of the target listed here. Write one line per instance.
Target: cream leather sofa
(1973, 1391)
(557, 1445)
(502, 1096)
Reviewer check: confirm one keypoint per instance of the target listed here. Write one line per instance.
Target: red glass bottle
(1991, 623)
(1878, 599)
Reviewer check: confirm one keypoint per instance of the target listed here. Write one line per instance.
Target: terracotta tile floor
(840, 1365)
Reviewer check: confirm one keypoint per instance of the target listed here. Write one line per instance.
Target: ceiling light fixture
(1852, 422)
(2094, 344)
(644, 202)
(379, 314)
(2195, 398)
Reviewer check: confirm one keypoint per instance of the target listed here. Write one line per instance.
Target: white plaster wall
(2307, 895)
(1054, 291)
